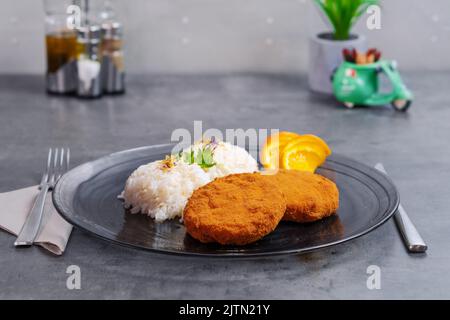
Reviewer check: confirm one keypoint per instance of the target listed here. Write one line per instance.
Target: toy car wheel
(349, 105)
(401, 104)
(332, 74)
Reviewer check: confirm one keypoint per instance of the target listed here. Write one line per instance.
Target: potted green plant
(325, 49)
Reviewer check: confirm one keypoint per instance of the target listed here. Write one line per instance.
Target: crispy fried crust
(309, 196)
(237, 209)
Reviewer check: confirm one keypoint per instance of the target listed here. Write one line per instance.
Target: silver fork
(58, 161)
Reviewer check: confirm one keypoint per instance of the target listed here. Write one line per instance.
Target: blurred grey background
(210, 36)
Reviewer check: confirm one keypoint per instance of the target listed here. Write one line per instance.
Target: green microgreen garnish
(204, 157)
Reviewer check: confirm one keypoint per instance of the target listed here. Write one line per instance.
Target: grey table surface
(414, 148)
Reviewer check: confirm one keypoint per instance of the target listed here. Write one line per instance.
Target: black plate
(87, 198)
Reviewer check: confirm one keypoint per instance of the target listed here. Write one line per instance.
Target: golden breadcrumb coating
(309, 196)
(234, 210)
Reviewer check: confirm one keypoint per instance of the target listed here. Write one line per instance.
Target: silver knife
(411, 236)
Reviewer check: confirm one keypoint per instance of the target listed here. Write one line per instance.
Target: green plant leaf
(343, 14)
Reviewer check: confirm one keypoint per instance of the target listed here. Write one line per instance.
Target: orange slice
(292, 151)
(302, 155)
(271, 151)
(318, 140)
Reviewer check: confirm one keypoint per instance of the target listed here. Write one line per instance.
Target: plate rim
(335, 157)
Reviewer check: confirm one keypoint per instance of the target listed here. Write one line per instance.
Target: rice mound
(162, 192)
(229, 159)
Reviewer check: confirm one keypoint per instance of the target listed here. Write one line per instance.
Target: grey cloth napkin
(14, 209)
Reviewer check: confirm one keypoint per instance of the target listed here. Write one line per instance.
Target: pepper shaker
(113, 70)
(89, 62)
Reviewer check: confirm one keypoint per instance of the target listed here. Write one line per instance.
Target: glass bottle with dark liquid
(62, 48)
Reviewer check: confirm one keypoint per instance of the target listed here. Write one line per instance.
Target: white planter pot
(325, 55)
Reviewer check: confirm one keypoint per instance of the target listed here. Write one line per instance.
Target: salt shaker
(89, 62)
(113, 71)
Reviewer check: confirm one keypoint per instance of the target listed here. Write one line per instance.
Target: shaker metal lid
(89, 33)
(112, 30)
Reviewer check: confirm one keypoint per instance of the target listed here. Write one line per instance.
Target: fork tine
(47, 169)
(54, 167)
(61, 164)
(67, 160)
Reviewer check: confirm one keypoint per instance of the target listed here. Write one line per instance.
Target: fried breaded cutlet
(235, 210)
(309, 196)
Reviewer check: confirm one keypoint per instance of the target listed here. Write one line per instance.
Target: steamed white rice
(229, 159)
(162, 192)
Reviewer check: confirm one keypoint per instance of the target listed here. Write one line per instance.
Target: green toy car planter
(357, 84)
